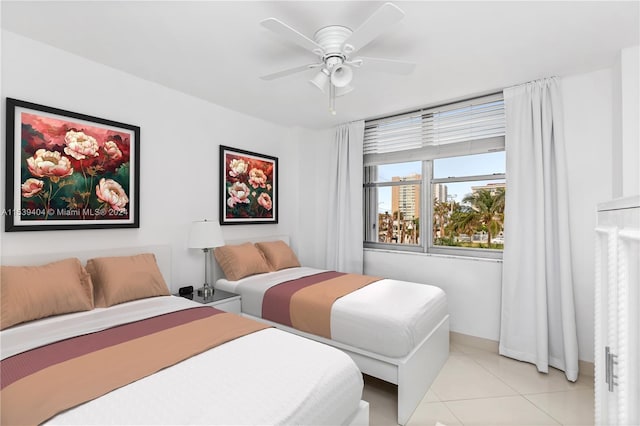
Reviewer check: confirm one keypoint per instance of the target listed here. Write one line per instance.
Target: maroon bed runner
(26, 363)
(276, 300)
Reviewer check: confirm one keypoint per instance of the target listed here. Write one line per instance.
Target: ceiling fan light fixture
(321, 80)
(336, 47)
(341, 75)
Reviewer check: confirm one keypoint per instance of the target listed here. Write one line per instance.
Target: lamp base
(205, 291)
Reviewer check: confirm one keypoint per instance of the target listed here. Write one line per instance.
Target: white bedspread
(267, 377)
(388, 317)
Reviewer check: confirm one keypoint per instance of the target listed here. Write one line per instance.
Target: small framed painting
(67, 170)
(249, 187)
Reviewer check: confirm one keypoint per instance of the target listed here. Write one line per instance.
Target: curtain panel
(538, 315)
(345, 224)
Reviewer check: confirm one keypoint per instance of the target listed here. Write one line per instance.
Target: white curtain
(344, 233)
(538, 315)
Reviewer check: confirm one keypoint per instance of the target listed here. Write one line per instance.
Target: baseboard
(473, 341)
(586, 368)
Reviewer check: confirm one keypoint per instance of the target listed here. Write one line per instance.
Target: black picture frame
(66, 170)
(248, 187)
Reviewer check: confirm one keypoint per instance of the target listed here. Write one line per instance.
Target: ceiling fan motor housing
(331, 39)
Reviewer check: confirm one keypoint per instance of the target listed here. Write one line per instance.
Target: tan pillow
(278, 254)
(33, 292)
(124, 278)
(240, 261)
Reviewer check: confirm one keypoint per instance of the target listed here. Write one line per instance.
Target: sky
(469, 165)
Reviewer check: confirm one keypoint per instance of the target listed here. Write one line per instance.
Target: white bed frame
(163, 257)
(413, 373)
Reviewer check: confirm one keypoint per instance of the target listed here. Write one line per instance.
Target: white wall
(626, 123)
(313, 195)
(630, 120)
(588, 134)
(180, 136)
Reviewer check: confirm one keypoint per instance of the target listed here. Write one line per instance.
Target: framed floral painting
(67, 170)
(249, 190)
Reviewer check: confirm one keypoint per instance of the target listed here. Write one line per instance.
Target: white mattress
(388, 317)
(267, 377)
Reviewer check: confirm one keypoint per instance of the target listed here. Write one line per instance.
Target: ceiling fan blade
(291, 34)
(387, 65)
(289, 71)
(380, 21)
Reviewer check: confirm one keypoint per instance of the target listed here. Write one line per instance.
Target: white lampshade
(341, 75)
(321, 80)
(205, 234)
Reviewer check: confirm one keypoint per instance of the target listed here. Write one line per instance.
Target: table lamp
(205, 235)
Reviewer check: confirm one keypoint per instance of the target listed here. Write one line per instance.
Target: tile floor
(477, 387)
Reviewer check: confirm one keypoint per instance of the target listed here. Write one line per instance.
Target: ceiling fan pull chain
(332, 99)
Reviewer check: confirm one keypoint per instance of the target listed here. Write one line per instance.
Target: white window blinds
(446, 130)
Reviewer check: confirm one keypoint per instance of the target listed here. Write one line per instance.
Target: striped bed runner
(37, 384)
(305, 303)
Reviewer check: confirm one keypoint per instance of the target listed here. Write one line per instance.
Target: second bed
(394, 330)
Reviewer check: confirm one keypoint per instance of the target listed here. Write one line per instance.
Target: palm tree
(440, 212)
(464, 220)
(488, 208)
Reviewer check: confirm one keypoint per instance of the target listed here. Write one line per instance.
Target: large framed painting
(67, 170)
(249, 187)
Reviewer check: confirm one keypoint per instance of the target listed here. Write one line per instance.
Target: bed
(394, 330)
(292, 381)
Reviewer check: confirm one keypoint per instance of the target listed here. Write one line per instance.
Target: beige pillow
(33, 292)
(240, 261)
(124, 278)
(278, 254)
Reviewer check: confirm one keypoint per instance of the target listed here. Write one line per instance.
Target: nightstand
(220, 299)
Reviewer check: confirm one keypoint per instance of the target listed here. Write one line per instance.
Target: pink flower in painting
(239, 193)
(257, 178)
(80, 145)
(110, 191)
(238, 167)
(31, 187)
(268, 187)
(49, 164)
(265, 201)
(112, 151)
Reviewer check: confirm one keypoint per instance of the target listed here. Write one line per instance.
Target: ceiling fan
(336, 47)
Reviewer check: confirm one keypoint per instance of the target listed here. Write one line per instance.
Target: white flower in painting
(31, 187)
(239, 193)
(257, 178)
(112, 151)
(238, 167)
(80, 145)
(49, 164)
(110, 191)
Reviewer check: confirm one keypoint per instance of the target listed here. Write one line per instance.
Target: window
(434, 180)
(396, 190)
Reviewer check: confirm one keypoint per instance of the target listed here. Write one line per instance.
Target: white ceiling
(216, 50)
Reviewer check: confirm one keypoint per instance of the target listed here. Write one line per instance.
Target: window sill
(437, 255)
